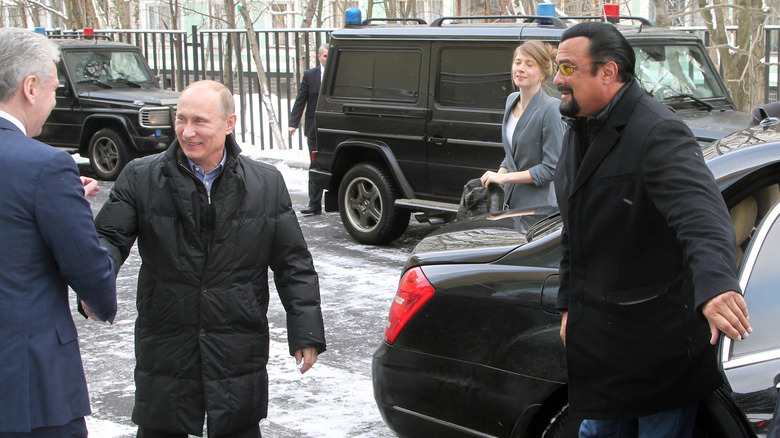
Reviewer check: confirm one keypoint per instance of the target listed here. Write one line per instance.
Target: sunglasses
(567, 69)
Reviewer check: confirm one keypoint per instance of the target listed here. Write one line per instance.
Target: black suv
(110, 107)
(408, 114)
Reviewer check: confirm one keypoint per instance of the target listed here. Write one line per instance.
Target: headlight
(157, 117)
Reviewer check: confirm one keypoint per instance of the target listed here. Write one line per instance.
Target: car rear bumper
(420, 395)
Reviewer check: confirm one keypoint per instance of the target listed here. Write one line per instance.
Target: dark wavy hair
(606, 44)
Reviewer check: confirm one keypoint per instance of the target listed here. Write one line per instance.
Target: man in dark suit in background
(47, 243)
(308, 92)
(648, 274)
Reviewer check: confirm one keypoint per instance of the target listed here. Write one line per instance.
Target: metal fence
(180, 58)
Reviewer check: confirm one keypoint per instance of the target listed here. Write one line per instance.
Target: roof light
(414, 291)
(352, 17)
(41, 30)
(547, 10)
(89, 32)
(611, 13)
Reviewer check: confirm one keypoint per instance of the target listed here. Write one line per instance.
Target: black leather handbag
(478, 200)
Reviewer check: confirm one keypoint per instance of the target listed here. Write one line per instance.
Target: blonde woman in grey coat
(532, 131)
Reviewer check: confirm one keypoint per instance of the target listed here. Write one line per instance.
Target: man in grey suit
(48, 242)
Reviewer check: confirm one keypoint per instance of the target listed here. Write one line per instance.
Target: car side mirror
(549, 294)
(62, 89)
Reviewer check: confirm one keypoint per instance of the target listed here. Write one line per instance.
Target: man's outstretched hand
(728, 313)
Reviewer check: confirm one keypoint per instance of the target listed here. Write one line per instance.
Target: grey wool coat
(535, 146)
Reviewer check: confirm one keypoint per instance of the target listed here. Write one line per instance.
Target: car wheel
(562, 426)
(108, 154)
(366, 198)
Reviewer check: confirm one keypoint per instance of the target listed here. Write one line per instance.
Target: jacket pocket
(628, 296)
(66, 332)
(614, 179)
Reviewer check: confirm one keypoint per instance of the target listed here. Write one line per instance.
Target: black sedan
(472, 346)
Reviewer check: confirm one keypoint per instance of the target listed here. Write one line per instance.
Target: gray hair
(24, 53)
(325, 46)
(227, 106)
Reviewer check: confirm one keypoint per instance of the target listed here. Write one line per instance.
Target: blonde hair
(543, 53)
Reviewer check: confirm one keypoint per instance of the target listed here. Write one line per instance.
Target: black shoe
(310, 210)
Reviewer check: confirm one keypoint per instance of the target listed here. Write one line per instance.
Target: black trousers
(144, 432)
(315, 193)
(75, 429)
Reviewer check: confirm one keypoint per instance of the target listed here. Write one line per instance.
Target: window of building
(158, 16)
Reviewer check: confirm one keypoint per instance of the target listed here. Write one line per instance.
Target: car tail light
(414, 291)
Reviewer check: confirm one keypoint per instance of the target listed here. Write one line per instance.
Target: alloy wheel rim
(363, 204)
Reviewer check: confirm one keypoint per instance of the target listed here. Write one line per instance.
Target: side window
(761, 294)
(474, 77)
(386, 75)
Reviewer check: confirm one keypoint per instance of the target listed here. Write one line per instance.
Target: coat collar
(614, 119)
(174, 152)
(177, 169)
(535, 103)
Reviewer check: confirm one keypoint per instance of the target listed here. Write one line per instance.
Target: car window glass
(128, 65)
(668, 71)
(761, 293)
(475, 77)
(106, 66)
(387, 75)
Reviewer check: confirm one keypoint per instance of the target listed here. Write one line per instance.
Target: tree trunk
(747, 75)
(99, 16)
(273, 121)
(35, 15)
(739, 62)
(661, 14)
(308, 14)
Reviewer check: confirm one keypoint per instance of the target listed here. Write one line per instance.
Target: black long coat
(646, 241)
(202, 333)
(308, 93)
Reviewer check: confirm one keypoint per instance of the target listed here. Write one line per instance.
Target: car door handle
(438, 141)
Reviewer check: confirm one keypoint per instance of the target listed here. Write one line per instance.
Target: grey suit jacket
(535, 146)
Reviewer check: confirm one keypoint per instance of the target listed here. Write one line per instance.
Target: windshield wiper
(128, 82)
(96, 82)
(682, 96)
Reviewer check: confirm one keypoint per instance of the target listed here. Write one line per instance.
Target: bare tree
(740, 57)
(100, 16)
(265, 94)
(661, 14)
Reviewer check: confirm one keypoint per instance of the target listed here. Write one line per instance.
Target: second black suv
(408, 114)
(110, 107)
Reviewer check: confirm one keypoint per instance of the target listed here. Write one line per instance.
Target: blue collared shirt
(208, 177)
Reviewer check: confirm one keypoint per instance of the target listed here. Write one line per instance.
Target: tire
(561, 426)
(366, 198)
(108, 154)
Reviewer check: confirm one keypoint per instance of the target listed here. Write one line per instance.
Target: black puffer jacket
(201, 337)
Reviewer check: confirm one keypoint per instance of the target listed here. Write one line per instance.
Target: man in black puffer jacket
(209, 224)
